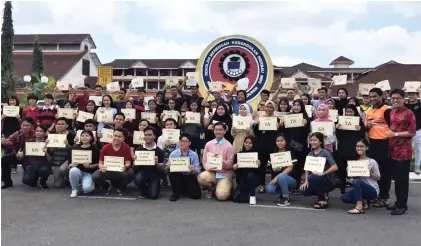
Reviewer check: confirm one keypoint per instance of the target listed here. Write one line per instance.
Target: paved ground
(34, 217)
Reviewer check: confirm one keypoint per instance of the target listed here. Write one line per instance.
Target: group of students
(383, 137)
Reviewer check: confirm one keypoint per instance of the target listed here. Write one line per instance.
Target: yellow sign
(105, 75)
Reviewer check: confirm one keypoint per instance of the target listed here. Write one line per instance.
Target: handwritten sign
(215, 160)
(66, 113)
(340, 79)
(315, 164)
(384, 85)
(261, 113)
(11, 111)
(349, 122)
(333, 115)
(34, 149)
(411, 86)
(138, 138)
(240, 122)
(287, 83)
(192, 78)
(293, 120)
(170, 114)
(171, 81)
(129, 113)
(56, 140)
(114, 163)
(151, 117)
(138, 82)
(96, 99)
(107, 135)
(247, 160)
(83, 116)
(268, 123)
(104, 116)
(280, 115)
(179, 164)
(105, 75)
(81, 156)
(62, 85)
(192, 118)
(358, 168)
(280, 160)
(215, 86)
(315, 84)
(113, 87)
(326, 128)
(364, 89)
(144, 158)
(309, 110)
(171, 135)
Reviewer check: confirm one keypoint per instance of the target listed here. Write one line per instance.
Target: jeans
(148, 180)
(119, 180)
(76, 176)
(186, 185)
(318, 186)
(379, 151)
(32, 173)
(360, 190)
(400, 170)
(284, 183)
(417, 148)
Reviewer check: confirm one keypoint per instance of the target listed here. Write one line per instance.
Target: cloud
(407, 9)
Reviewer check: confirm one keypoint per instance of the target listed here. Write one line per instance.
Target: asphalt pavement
(50, 217)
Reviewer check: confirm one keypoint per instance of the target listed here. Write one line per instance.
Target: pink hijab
(325, 118)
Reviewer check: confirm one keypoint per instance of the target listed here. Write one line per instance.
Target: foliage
(37, 62)
(40, 89)
(7, 33)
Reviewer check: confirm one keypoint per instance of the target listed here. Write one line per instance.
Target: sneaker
(209, 193)
(417, 170)
(74, 194)
(141, 194)
(283, 201)
(174, 197)
(121, 192)
(13, 171)
(252, 200)
(43, 185)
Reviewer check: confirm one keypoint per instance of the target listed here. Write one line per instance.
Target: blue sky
(316, 32)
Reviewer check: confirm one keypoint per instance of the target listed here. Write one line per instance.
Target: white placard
(349, 122)
(247, 160)
(96, 99)
(62, 85)
(333, 115)
(326, 128)
(151, 117)
(138, 138)
(287, 83)
(83, 116)
(66, 113)
(243, 84)
(411, 86)
(215, 86)
(192, 118)
(11, 111)
(104, 116)
(268, 123)
(315, 164)
(309, 110)
(107, 135)
(171, 81)
(340, 79)
(364, 89)
(138, 82)
(129, 113)
(384, 85)
(144, 158)
(56, 140)
(81, 156)
(315, 84)
(113, 87)
(171, 135)
(241, 122)
(358, 168)
(167, 114)
(293, 120)
(34, 149)
(114, 163)
(192, 78)
(179, 164)
(280, 159)
(215, 160)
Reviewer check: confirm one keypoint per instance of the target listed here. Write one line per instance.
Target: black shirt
(95, 157)
(416, 109)
(158, 152)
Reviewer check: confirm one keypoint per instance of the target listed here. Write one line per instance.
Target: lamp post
(43, 80)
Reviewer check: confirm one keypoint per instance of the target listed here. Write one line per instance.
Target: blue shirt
(236, 106)
(194, 158)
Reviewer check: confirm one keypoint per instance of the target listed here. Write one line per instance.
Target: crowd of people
(382, 136)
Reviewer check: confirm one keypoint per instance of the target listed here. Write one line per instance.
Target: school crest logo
(231, 58)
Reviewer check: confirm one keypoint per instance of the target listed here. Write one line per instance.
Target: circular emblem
(231, 58)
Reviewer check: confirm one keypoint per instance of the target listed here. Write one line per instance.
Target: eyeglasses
(395, 98)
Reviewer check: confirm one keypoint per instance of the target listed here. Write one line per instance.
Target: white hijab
(248, 109)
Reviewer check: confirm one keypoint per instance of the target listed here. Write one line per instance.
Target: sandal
(356, 211)
(262, 189)
(319, 205)
(380, 204)
(366, 205)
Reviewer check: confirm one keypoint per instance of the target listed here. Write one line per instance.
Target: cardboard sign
(171, 81)
(280, 115)
(170, 114)
(151, 117)
(268, 123)
(333, 115)
(192, 118)
(384, 85)
(96, 99)
(247, 160)
(243, 84)
(340, 79)
(56, 140)
(215, 160)
(315, 164)
(192, 78)
(215, 86)
(144, 158)
(66, 113)
(105, 75)
(309, 110)
(138, 138)
(83, 116)
(107, 135)
(129, 113)
(114, 163)
(11, 111)
(287, 83)
(113, 87)
(179, 164)
(280, 160)
(81, 156)
(293, 120)
(62, 85)
(358, 168)
(138, 82)
(171, 135)
(364, 89)
(240, 122)
(349, 122)
(326, 128)
(104, 116)
(315, 84)
(34, 149)
(411, 86)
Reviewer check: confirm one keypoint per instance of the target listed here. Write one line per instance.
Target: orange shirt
(380, 126)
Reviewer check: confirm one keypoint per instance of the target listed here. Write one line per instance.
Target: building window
(129, 72)
(153, 72)
(23, 47)
(164, 72)
(86, 47)
(161, 84)
(117, 72)
(48, 46)
(179, 73)
(140, 72)
(69, 46)
(152, 85)
(86, 66)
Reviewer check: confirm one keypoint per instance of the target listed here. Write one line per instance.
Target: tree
(7, 33)
(37, 62)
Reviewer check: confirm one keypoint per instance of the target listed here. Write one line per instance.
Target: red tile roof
(342, 59)
(52, 38)
(150, 63)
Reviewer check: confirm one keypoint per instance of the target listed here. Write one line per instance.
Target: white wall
(85, 42)
(75, 73)
(341, 66)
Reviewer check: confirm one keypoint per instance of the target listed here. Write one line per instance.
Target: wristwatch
(396, 134)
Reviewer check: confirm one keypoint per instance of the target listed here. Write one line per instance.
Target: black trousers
(7, 162)
(342, 162)
(298, 169)
(185, 185)
(33, 173)
(264, 157)
(400, 170)
(379, 151)
(119, 180)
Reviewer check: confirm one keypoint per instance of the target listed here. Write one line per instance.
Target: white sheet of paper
(62, 85)
(192, 78)
(167, 114)
(171, 135)
(215, 86)
(411, 86)
(268, 123)
(171, 81)
(333, 115)
(287, 83)
(81, 156)
(323, 127)
(66, 113)
(11, 111)
(280, 159)
(192, 117)
(104, 116)
(56, 140)
(315, 164)
(138, 138)
(364, 89)
(179, 164)
(144, 158)
(34, 149)
(340, 79)
(293, 120)
(240, 122)
(83, 116)
(114, 163)
(151, 117)
(384, 85)
(107, 135)
(358, 168)
(138, 82)
(309, 110)
(113, 87)
(96, 99)
(129, 112)
(247, 160)
(349, 122)
(315, 84)
(243, 84)
(215, 160)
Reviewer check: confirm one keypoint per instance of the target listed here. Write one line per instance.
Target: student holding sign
(192, 124)
(67, 106)
(175, 92)
(185, 183)
(90, 109)
(222, 115)
(105, 114)
(323, 116)
(320, 184)
(167, 146)
(364, 189)
(349, 130)
(415, 106)
(342, 100)
(119, 180)
(47, 114)
(83, 163)
(148, 171)
(170, 112)
(10, 117)
(243, 131)
(213, 178)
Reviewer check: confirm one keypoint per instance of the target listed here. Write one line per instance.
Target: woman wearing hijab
(323, 116)
(240, 134)
(266, 143)
(221, 115)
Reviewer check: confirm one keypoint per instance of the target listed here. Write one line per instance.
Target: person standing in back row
(415, 106)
